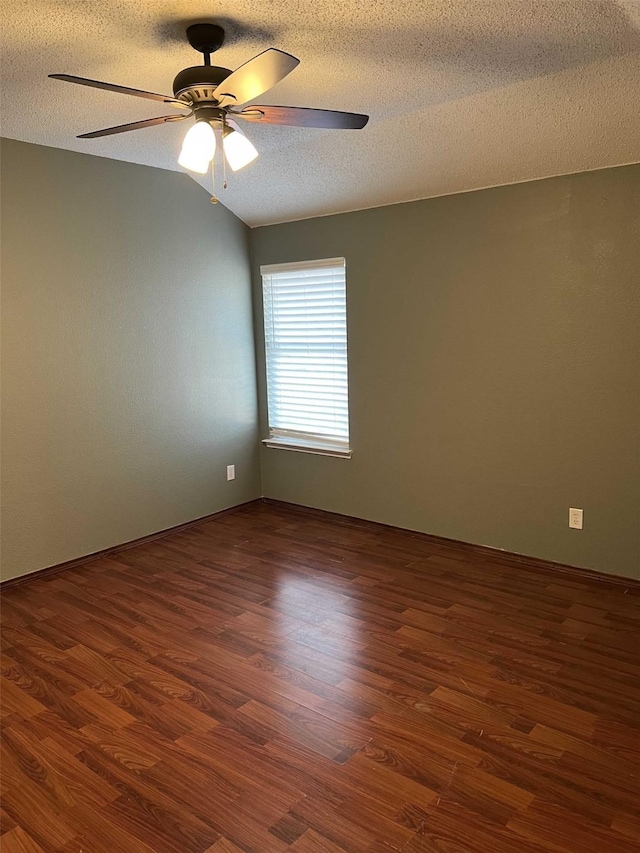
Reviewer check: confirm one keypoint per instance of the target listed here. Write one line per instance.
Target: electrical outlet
(231, 472)
(575, 518)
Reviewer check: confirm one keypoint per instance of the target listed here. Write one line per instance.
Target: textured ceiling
(462, 93)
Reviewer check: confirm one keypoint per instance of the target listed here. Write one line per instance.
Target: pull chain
(224, 160)
(214, 200)
(224, 171)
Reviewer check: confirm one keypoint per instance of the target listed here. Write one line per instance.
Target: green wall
(493, 344)
(494, 367)
(128, 355)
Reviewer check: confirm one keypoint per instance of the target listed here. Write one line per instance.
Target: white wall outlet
(231, 473)
(575, 518)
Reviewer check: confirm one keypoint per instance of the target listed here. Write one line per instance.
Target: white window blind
(305, 324)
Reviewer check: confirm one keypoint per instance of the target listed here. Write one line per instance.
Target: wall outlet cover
(575, 518)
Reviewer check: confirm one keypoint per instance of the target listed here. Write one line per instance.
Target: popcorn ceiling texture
(462, 95)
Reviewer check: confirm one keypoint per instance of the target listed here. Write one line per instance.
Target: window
(305, 325)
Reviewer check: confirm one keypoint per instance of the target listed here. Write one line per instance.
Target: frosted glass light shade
(198, 148)
(237, 149)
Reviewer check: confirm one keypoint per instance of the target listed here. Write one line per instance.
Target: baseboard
(39, 574)
(486, 552)
(537, 564)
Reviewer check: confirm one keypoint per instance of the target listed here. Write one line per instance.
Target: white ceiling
(462, 93)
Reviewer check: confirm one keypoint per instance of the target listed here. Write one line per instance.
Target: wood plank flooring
(276, 680)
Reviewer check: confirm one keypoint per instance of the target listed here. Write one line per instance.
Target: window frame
(291, 439)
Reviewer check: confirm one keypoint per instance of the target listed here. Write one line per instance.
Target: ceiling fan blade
(134, 125)
(303, 117)
(122, 90)
(255, 77)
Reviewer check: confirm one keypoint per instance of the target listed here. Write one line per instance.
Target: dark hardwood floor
(280, 681)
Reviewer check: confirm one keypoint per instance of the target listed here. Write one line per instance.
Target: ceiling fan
(212, 96)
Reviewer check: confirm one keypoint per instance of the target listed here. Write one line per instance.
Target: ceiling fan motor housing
(198, 83)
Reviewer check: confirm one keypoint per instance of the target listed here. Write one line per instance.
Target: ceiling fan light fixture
(198, 148)
(238, 150)
(212, 94)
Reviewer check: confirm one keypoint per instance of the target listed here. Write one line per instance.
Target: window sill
(301, 445)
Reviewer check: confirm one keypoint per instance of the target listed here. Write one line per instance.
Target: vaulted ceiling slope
(462, 95)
